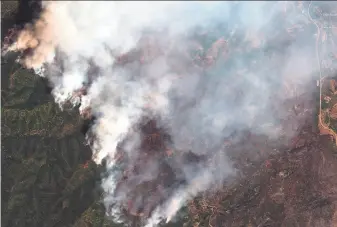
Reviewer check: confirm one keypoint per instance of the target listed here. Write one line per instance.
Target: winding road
(324, 128)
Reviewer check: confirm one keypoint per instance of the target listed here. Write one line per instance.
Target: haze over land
(202, 73)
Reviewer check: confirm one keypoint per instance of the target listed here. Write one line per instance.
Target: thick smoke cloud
(80, 44)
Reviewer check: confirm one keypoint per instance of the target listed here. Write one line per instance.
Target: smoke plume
(141, 68)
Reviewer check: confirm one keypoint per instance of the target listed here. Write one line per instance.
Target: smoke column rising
(199, 107)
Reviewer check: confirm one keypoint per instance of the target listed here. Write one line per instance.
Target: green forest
(48, 178)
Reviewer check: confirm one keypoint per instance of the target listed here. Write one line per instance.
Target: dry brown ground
(294, 188)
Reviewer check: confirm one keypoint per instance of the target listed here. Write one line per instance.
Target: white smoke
(199, 107)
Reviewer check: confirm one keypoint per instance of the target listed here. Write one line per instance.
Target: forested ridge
(48, 178)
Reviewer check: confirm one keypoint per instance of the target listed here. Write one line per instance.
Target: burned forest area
(50, 180)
